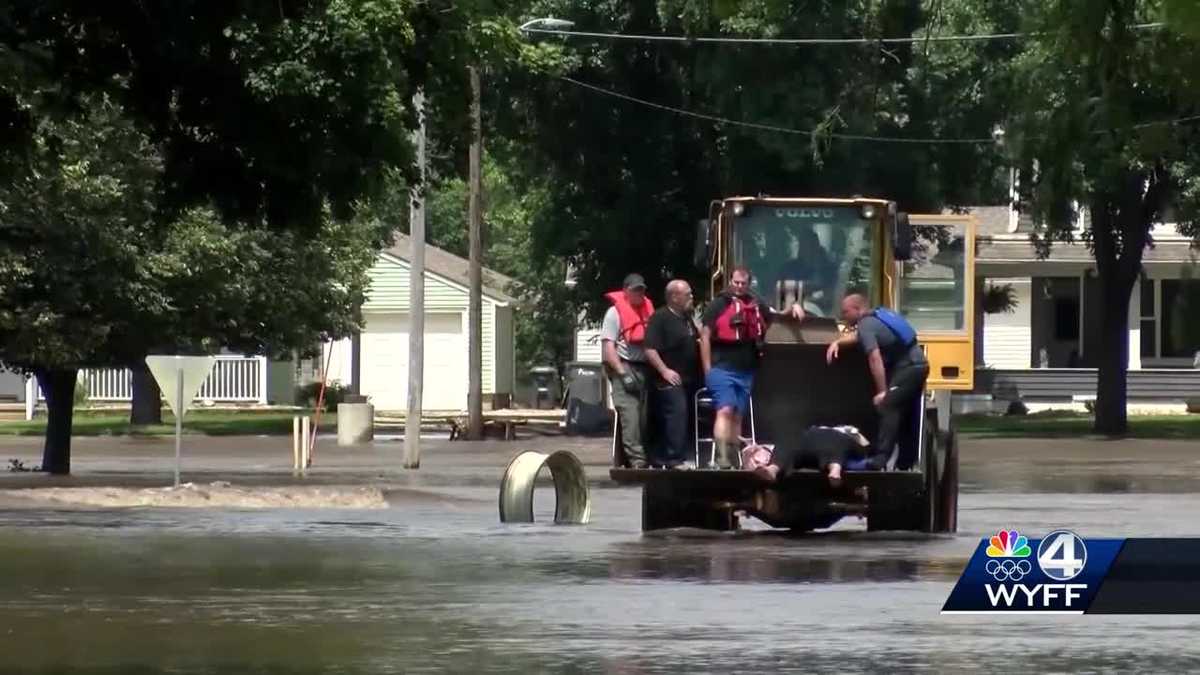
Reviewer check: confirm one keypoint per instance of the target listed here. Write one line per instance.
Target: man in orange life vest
(731, 336)
(622, 335)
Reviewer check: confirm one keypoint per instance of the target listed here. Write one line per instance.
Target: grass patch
(205, 422)
(1055, 424)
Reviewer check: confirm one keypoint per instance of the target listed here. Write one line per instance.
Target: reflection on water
(729, 562)
(440, 586)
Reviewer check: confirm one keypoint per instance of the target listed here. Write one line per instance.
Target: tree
(259, 115)
(70, 217)
(272, 112)
(1096, 129)
(93, 276)
(251, 290)
(628, 181)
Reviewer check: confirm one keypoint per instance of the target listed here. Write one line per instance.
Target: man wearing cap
(622, 335)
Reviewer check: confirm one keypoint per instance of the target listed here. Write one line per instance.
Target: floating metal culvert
(573, 505)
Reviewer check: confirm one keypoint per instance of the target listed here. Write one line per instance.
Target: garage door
(385, 362)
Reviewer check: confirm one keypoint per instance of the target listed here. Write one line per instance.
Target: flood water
(440, 585)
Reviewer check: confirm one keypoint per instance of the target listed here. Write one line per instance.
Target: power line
(841, 136)
(1161, 123)
(806, 41)
(772, 127)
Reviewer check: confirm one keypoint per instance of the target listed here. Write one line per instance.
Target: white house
(1046, 349)
(375, 362)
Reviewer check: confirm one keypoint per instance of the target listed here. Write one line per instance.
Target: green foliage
(269, 111)
(626, 182)
(335, 393)
(1093, 127)
(95, 273)
(199, 421)
(999, 299)
(80, 397)
(72, 217)
(1182, 16)
(1090, 87)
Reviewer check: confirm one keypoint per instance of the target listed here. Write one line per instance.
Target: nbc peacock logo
(1008, 544)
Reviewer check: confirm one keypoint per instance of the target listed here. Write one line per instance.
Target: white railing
(107, 384)
(234, 379)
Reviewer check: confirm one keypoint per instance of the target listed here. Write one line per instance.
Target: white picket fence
(234, 379)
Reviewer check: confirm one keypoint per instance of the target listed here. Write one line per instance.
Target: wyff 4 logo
(1061, 556)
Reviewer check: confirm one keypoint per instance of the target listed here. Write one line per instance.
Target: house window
(1180, 316)
(1148, 325)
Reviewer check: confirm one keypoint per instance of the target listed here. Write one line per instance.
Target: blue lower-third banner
(1063, 573)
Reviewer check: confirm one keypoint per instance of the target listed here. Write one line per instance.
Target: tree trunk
(146, 407)
(1114, 357)
(59, 388)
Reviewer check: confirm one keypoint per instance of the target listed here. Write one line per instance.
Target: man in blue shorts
(731, 337)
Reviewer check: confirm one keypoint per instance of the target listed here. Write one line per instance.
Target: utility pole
(475, 274)
(416, 298)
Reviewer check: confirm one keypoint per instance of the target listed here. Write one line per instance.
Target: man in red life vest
(622, 338)
(734, 327)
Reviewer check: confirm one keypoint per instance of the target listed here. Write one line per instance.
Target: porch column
(31, 396)
(980, 289)
(1135, 328)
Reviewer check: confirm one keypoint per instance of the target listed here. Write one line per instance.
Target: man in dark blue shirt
(898, 368)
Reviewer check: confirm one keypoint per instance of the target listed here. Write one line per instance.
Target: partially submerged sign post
(180, 377)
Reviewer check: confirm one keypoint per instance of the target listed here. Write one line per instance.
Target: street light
(547, 24)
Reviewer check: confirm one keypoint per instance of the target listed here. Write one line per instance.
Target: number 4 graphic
(1062, 555)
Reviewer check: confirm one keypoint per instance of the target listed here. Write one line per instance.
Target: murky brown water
(440, 585)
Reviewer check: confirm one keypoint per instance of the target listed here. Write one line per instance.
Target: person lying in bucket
(827, 449)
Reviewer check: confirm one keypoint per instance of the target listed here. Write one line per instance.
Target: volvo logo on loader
(804, 213)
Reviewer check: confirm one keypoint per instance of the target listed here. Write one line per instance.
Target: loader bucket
(795, 389)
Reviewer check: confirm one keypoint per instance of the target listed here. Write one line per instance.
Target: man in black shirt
(672, 349)
(731, 336)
